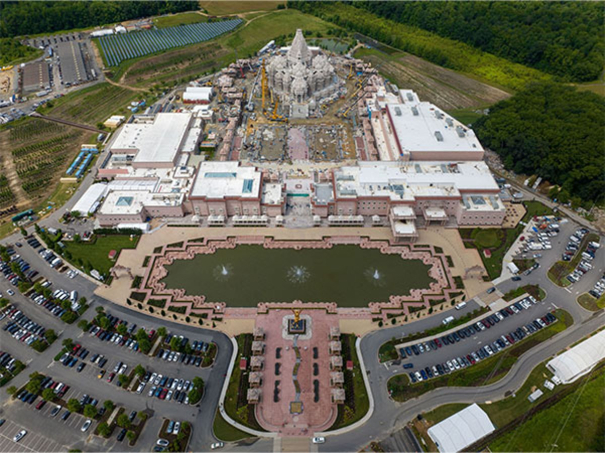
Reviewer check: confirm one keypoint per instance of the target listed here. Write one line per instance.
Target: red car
(110, 377)
(163, 393)
(40, 404)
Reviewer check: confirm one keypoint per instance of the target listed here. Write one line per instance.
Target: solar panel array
(124, 46)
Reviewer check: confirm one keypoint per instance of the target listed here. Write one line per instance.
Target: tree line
(19, 18)
(560, 38)
(553, 131)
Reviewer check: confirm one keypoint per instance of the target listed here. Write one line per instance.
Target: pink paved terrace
(276, 416)
(152, 287)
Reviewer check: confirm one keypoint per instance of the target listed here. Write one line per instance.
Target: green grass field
(465, 116)
(575, 423)
(179, 19)
(590, 303)
(220, 8)
(227, 432)
(96, 253)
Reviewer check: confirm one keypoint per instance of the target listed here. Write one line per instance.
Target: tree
(108, 405)
(123, 379)
(162, 332)
(142, 415)
(139, 370)
(84, 325)
(3, 302)
(90, 411)
(175, 343)
(104, 430)
(123, 421)
(11, 390)
(104, 322)
(23, 231)
(73, 405)
(66, 304)
(48, 394)
(145, 346)
(131, 435)
(198, 382)
(122, 329)
(68, 343)
(141, 334)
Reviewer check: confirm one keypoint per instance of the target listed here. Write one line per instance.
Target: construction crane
(263, 85)
(250, 105)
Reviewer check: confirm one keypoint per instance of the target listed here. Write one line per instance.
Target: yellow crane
(263, 85)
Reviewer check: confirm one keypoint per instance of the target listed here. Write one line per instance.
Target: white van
(447, 320)
(460, 306)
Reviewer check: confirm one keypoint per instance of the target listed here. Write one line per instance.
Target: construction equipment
(263, 85)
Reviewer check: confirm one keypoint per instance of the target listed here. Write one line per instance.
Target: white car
(318, 440)
(216, 445)
(162, 442)
(86, 425)
(12, 293)
(177, 428)
(20, 435)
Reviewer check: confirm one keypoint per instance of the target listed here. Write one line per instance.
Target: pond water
(345, 274)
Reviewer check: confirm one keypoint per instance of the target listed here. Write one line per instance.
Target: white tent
(88, 201)
(462, 429)
(580, 359)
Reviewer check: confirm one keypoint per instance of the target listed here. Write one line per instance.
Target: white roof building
(426, 129)
(153, 142)
(462, 429)
(219, 180)
(579, 360)
(407, 181)
(197, 94)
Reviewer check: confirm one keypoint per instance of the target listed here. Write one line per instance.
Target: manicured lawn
(487, 238)
(485, 372)
(387, 352)
(96, 252)
(179, 19)
(227, 432)
(575, 423)
(590, 303)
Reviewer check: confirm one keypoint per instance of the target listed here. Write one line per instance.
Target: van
(74, 297)
(460, 306)
(447, 320)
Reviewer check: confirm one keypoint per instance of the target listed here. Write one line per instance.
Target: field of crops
(124, 46)
(37, 152)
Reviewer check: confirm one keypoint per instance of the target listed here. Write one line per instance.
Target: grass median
(485, 372)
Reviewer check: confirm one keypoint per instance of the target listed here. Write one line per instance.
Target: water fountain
(298, 274)
(375, 277)
(222, 272)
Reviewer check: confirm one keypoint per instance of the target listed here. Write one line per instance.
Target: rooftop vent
(449, 122)
(460, 130)
(397, 111)
(410, 97)
(438, 114)
(439, 136)
(415, 111)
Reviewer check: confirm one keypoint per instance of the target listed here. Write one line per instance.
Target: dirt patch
(443, 87)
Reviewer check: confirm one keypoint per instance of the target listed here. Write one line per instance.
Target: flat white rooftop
(219, 180)
(408, 180)
(424, 127)
(154, 141)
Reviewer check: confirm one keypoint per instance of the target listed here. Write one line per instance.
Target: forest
(445, 52)
(19, 18)
(564, 39)
(553, 131)
(12, 51)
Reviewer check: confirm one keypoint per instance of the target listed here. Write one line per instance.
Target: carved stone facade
(299, 76)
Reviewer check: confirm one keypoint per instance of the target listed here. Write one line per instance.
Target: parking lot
(470, 342)
(31, 442)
